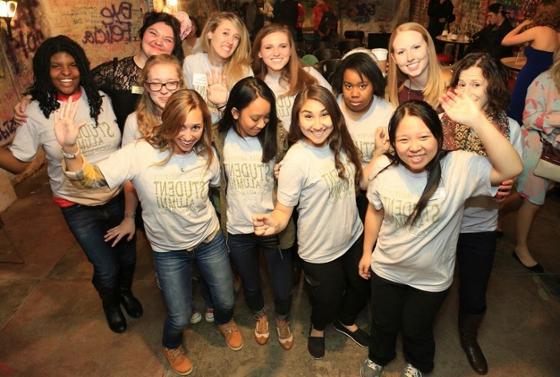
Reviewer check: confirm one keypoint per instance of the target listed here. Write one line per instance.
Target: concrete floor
(51, 322)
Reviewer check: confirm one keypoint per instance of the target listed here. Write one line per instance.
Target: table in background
(460, 43)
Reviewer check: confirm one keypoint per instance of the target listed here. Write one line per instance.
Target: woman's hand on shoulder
(19, 109)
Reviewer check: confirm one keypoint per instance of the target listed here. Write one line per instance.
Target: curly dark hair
(43, 89)
(497, 91)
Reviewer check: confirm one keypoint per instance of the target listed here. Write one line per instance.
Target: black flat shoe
(537, 268)
(316, 346)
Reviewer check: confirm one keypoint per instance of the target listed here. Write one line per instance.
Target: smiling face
(224, 39)
(252, 119)
(163, 74)
(190, 133)
(472, 83)
(357, 91)
(410, 52)
(158, 39)
(415, 144)
(315, 122)
(64, 73)
(275, 51)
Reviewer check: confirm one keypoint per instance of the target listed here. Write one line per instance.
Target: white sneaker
(209, 315)
(410, 371)
(370, 369)
(195, 318)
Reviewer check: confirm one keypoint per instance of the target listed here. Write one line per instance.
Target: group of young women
(375, 189)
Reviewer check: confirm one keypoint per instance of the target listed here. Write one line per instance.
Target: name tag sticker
(200, 79)
(136, 89)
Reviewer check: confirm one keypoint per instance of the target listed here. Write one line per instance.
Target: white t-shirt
(196, 67)
(423, 255)
(130, 131)
(176, 210)
(250, 182)
(362, 126)
(96, 142)
(284, 104)
(328, 222)
(481, 212)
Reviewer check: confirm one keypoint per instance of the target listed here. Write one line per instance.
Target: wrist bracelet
(130, 215)
(70, 156)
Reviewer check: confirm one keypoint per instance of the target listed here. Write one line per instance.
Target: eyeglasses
(157, 86)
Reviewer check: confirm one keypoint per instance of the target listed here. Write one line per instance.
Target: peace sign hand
(65, 129)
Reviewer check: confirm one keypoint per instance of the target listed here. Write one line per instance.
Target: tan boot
(285, 337)
(178, 361)
(261, 330)
(233, 337)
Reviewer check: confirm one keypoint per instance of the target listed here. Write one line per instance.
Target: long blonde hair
(293, 72)
(436, 84)
(147, 112)
(239, 63)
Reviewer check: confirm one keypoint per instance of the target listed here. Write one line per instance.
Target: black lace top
(119, 79)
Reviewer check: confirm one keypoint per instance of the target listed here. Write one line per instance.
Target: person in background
(225, 59)
(318, 10)
(543, 37)
(319, 175)
(489, 39)
(414, 72)
(440, 14)
(181, 224)
(286, 13)
(541, 123)
(481, 77)
(300, 21)
(61, 73)
(192, 44)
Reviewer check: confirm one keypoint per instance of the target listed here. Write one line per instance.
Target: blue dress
(538, 61)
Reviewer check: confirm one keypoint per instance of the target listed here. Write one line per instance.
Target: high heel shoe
(537, 268)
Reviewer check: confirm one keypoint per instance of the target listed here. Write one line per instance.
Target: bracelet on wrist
(70, 155)
(130, 215)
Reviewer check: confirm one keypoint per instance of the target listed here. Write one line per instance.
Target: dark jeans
(244, 254)
(398, 307)
(475, 258)
(174, 271)
(89, 225)
(336, 289)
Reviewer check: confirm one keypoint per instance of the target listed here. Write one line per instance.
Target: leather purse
(549, 165)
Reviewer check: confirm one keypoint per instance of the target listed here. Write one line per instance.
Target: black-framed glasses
(157, 86)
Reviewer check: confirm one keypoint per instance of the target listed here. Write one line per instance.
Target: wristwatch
(70, 156)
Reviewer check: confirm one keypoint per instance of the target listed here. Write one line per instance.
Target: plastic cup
(381, 56)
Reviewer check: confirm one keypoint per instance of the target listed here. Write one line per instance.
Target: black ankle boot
(112, 309)
(130, 303)
(468, 329)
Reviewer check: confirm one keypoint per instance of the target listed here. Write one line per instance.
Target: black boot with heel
(130, 303)
(112, 309)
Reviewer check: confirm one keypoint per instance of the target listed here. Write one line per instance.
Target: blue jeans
(89, 225)
(243, 250)
(174, 270)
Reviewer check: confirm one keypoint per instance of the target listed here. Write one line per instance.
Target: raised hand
(65, 129)
(217, 91)
(461, 108)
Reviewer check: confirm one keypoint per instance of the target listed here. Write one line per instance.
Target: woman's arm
(505, 161)
(127, 227)
(372, 224)
(514, 37)
(10, 163)
(535, 115)
(274, 222)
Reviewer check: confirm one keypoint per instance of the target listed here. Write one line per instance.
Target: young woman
(416, 204)
(541, 122)
(360, 87)
(319, 174)
(61, 71)
(119, 79)
(276, 62)
(172, 174)
(543, 36)
(414, 71)
(250, 142)
(226, 60)
(480, 77)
